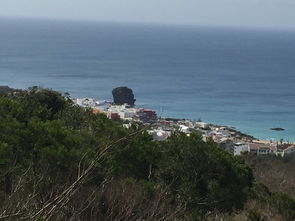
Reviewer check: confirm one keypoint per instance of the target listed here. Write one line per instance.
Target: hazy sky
(269, 13)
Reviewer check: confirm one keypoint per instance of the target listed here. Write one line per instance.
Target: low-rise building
(113, 116)
(159, 134)
(240, 147)
(184, 129)
(223, 131)
(226, 144)
(86, 102)
(289, 150)
(146, 115)
(262, 149)
(202, 125)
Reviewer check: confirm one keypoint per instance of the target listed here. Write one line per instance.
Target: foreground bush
(61, 162)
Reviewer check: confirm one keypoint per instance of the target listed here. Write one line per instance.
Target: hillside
(59, 161)
(277, 173)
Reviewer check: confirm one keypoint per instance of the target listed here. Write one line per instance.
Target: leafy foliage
(47, 142)
(205, 175)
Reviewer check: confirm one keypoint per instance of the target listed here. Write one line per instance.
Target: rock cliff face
(123, 95)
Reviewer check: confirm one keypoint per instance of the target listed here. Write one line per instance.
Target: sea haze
(242, 78)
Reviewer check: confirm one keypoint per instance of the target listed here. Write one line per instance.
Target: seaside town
(228, 138)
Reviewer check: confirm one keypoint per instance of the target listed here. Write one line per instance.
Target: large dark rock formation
(123, 95)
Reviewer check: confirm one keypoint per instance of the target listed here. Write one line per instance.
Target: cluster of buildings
(256, 147)
(118, 112)
(226, 137)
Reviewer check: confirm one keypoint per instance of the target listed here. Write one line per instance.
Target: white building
(202, 125)
(159, 134)
(289, 150)
(91, 103)
(126, 114)
(240, 148)
(184, 129)
(85, 102)
(124, 111)
(223, 131)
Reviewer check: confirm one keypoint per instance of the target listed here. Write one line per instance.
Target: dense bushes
(205, 176)
(62, 162)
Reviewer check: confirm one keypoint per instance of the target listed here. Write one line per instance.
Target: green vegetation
(5, 90)
(61, 162)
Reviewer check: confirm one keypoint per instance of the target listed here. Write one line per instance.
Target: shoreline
(162, 127)
(235, 130)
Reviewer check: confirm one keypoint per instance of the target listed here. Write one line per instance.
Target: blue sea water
(239, 77)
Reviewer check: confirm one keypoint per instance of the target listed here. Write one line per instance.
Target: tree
(206, 176)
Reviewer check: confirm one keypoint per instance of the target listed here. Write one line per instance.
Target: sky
(249, 13)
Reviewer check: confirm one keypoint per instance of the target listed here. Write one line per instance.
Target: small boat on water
(277, 128)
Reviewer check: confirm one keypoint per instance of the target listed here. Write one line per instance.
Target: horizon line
(181, 25)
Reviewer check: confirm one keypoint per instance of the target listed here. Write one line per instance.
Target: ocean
(243, 78)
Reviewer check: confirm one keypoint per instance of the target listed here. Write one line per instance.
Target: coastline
(226, 137)
(161, 127)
